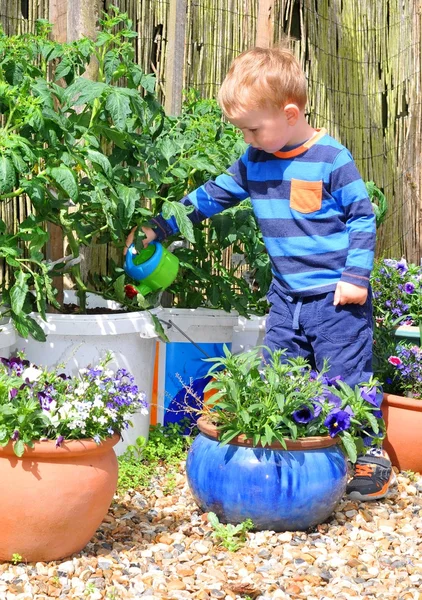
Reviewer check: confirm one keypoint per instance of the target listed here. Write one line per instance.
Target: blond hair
(262, 78)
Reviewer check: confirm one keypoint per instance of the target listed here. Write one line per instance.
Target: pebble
(154, 545)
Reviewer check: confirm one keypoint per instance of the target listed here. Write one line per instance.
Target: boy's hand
(347, 293)
(150, 236)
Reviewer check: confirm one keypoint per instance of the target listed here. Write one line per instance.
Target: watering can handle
(129, 256)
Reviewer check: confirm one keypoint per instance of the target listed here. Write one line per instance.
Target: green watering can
(154, 267)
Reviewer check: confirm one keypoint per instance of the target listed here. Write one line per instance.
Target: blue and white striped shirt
(311, 205)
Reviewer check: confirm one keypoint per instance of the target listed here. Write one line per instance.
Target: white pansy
(32, 374)
(66, 410)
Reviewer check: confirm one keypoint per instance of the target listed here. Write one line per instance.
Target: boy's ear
(292, 113)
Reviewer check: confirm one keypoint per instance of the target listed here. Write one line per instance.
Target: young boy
(317, 223)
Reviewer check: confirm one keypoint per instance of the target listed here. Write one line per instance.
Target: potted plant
(275, 439)
(398, 366)
(95, 158)
(57, 462)
(79, 150)
(397, 297)
(397, 290)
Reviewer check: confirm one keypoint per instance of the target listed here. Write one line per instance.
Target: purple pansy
(305, 414)
(338, 420)
(370, 395)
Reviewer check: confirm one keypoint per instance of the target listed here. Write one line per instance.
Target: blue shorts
(314, 328)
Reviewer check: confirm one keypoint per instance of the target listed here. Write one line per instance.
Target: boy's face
(267, 129)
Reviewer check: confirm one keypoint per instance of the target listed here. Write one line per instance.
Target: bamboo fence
(362, 60)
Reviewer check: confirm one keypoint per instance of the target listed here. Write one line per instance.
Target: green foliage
(229, 536)
(397, 291)
(198, 146)
(278, 399)
(165, 446)
(378, 201)
(67, 141)
(40, 404)
(16, 558)
(411, 475)
(97, 157)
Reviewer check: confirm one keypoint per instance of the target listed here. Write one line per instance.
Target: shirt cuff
(161, 228)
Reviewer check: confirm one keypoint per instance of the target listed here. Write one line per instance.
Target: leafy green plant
(16, 558)
(378, 201)
(165, 446)
(280, 399)
(230, 536)
(85, 152)
(44, 403)
(411, 475)
(397, 292)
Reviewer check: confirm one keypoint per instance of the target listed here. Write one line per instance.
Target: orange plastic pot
(53, 499)
(403, 442)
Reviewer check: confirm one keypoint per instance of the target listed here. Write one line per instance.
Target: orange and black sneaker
(372, 478)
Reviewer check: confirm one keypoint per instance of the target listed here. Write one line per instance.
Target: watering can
(154, 267)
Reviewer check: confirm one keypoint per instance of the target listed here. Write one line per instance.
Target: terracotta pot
(53, 499)
(278, 489)
(403, 419)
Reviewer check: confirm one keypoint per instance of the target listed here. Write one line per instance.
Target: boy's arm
(348, 188)
(211, 198)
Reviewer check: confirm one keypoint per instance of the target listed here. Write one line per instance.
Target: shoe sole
(377, 495)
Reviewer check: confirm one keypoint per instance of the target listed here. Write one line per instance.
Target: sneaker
(372, 478)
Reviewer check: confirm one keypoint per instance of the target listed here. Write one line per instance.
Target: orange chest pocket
(305, 196)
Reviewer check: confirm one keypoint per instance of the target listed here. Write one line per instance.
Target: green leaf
(178, 211)
(18, 292)
(169, 149)
(40, 294)
(83, 91)
(100, 159)
(159, 328)
(119, 288)
(111, 62)
(18, 162)
(35, 189)
(128, 198)
(349, 446)
(118, 105)
(35, 329)
(213, 519)
(63, 68)
(7, 175)
(19, 448)
(14, 72)
(66, 179)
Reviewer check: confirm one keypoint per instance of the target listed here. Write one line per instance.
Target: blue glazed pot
(280, 490)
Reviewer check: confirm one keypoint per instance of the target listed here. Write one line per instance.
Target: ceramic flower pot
(54, 499)
(403, 442)
(408, 333)
(280, 490)
(7, 337)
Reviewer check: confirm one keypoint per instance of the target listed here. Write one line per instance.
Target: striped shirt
(311, 205)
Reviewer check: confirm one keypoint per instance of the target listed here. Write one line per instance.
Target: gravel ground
(157, 545)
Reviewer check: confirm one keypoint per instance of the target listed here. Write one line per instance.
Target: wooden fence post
(175, 57)
(265, 23)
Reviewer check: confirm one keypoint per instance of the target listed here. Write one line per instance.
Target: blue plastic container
(280, 490)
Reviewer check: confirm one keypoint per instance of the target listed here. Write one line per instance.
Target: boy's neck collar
(319, 133)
